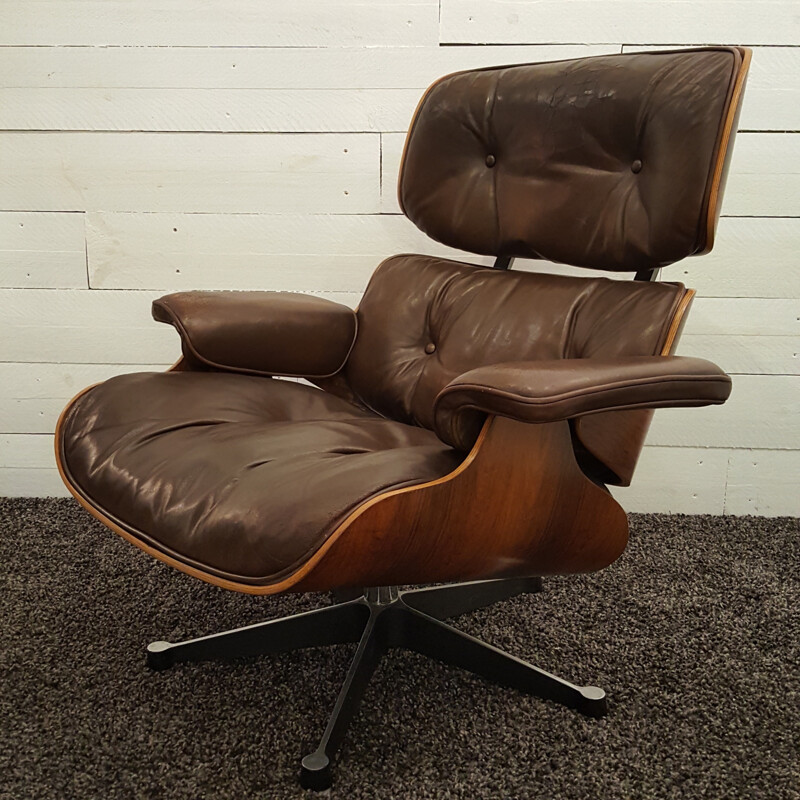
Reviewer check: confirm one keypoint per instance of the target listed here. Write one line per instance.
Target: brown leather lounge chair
(467, 418)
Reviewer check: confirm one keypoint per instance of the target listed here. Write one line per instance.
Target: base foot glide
(315, 772)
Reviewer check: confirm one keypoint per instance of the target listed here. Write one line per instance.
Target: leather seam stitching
(554, 399)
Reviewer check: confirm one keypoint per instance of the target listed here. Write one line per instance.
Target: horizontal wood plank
(668, 21)
(772, 97)
(676, 480)
(391, 156)
(323, 173)
(764, 179)
(740, 316)
(40, 250)
(260, 67)
(294, 252)
(208, 110)
(81, 326)
(28, 467)
(746, 355)
(239, 23)
(763, 482)
(761, 413)
(27, 450)
(753, 258)
(26, 482)
(33, 395)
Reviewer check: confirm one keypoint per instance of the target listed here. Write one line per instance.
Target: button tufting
(430, 348)
(636, 166)
(490, 160)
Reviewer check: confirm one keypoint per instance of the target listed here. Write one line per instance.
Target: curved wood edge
(724, 153)
(517, 505)
(677, 323)
(286, 584)
(125, 534)
(181, 365)
(411, 126)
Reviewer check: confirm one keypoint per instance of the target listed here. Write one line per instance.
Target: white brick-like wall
(155, 145)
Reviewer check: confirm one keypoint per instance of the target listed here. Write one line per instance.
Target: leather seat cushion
(243, 477)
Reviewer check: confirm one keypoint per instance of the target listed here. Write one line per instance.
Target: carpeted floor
(693, 633)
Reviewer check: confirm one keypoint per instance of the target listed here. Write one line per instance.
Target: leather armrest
(264, 333)
(546, 391)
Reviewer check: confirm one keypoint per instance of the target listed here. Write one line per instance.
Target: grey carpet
(693, 633)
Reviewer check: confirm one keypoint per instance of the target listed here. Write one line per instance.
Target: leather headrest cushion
(612, 162)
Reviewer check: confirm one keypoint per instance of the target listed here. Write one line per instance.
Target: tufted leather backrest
(423, 321)
(613, 162)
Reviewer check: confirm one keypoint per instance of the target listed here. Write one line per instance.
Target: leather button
(490, 160)
(430, 348)
(636, 166)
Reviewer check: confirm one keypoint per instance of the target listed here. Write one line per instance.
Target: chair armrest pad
(546, 391)
(264, 333)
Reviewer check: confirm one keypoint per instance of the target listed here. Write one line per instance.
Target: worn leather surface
(546, 391)
(604, 162)
(424, 321)
(268, 333)
(239, 475)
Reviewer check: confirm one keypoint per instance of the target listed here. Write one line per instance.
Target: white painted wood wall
(156, 145)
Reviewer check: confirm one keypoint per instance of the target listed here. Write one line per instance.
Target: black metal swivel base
(379, 620)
